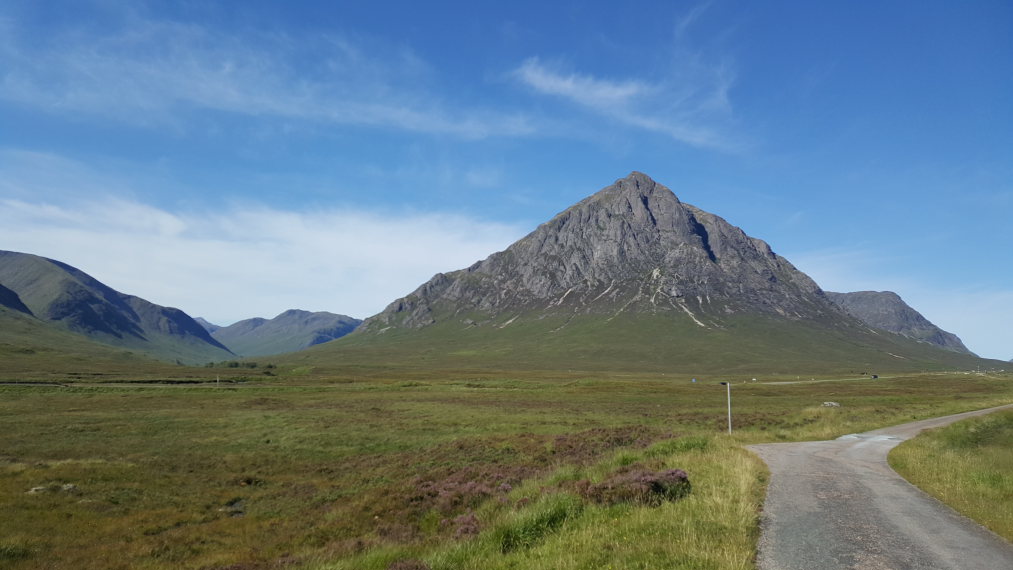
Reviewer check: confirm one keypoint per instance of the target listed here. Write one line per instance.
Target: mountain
(33, 350)
(288, 332)
(885, 310)
(11, 300)
(632, 247)
(72, 300)
(210, 327)
(630, 278)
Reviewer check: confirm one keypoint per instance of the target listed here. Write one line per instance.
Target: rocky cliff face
(631, 247)
(885, 310)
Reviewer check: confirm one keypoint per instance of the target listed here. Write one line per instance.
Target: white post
(728, 385)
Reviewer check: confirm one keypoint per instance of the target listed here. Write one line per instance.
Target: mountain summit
(631, 247)
(630, 278)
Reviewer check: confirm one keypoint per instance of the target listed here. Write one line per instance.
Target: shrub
(466, 525)
(14, 551)
(637, 485)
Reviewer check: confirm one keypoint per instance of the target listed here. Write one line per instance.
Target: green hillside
(290, 331)
(66, 298)
(749, 345)
(31, 350)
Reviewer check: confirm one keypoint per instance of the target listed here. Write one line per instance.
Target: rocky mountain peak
(885, 310)
(632, 246)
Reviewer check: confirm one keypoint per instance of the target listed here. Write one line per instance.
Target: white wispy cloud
(686, 96)
(233, 262)
(584, 89)
(151, 72)
(694, 111)
(251, 260)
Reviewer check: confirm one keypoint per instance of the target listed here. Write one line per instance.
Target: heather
(438, 470)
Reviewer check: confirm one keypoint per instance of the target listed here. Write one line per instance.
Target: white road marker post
(728, 385)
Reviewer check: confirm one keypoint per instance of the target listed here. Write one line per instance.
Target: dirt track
(837, 504)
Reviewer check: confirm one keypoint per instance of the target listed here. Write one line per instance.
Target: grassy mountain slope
(748, 345)
(31, 350)
(288, 332)
(68, 298)
(630, 278)
(10, 300)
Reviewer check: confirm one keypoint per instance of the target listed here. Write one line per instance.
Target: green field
(367, 469)
(967, 465)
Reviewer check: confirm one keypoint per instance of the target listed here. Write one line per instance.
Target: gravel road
(837, 504)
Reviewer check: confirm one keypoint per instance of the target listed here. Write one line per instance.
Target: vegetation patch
(356, 471)
(408, 564)
(967, 465)
(537, 522)
(638, 485)
(14, 550)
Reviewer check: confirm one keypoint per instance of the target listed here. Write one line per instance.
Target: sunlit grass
(967, 465)
(714, 526)
(361, 471)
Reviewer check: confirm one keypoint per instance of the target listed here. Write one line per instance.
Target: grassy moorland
(967, 465)
(656, 343)
(450, 469)
(33, 351)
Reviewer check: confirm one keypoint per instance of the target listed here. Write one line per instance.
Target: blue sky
(240, 159)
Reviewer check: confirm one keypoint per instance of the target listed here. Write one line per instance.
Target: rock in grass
(234, 508)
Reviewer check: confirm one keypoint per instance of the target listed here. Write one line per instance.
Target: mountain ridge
(290, 331)
(630, 278)
(886, 310)
(632, 242)
(11, 300)
(64, 296)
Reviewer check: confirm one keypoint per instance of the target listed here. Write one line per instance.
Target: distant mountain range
(66, 298)
(885, 310)
(290, 331)
(632, 278)
(210, 327)
(628, 279)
